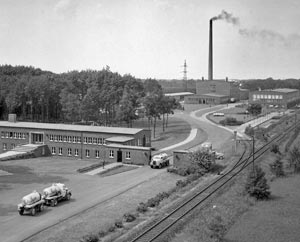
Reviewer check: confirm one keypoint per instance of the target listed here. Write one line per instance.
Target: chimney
(12, 117)
(210, 50)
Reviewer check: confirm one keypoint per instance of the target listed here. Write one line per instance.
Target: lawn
(237, 113)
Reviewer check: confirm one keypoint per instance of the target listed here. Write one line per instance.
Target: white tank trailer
(55, 193)
(31, 203)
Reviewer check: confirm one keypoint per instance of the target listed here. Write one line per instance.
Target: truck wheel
(53, 203)
(168, 163)
(33, 211)
(68, 196)
(41, 207)
(21, 212)
(160, 166)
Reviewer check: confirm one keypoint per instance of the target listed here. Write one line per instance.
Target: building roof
(285, 90)
(213, 95)
(178, 94)
(119, 139)
(70, 127)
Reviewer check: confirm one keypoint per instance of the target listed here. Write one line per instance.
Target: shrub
(230, 121)
(203, 160)
(275, 149)
(172, 170)
(119, 224)
(217, 227)
(182, 171)
(277, 167)
(142, 208)
(249, 131)
(90, 238)
(112, 228)
(181, 183)
(128, 217)
(257, 185)
(152, 202)
(101, 234)
(294, 159)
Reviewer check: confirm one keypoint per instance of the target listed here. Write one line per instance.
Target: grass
(237, 113)
(117, 170)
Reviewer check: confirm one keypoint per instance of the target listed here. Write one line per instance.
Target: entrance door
(37, 138)
(119, 156)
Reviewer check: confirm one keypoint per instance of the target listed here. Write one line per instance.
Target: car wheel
(21, 212)
(33, 211)
(160, 166)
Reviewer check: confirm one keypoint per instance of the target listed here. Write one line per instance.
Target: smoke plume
(228, 17)
(263, 35)
(270, 37)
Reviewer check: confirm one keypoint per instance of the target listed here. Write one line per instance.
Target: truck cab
(159, 161)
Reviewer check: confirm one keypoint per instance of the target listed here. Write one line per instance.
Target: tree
(204, 160)
(254, 109)
(256, 185)
(277, 167)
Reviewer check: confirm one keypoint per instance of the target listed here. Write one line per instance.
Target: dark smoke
(227, 17)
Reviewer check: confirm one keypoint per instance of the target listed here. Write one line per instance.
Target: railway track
(158, 230)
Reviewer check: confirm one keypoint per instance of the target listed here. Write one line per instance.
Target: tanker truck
(31, 203)
(55, 193)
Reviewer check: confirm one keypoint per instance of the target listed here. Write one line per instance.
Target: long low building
(280, 97)
(126, 145)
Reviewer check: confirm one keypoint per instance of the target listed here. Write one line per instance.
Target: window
(65, 138)
(111, 154)
(55, 137)
(4, 146)
(69, 139)
(127, 155)
(94, 141)
(53, 150)
(139, 143)
(147, 139)
(69, 151)
(23, 135)
(74, 139)
(97, 153)
(51, 137)
(280, 96)
(269, 96)
(60, 151)
(13, 146)
(76, 152)
(85, 140)
(90, 140)
(100, 141)
(2, 134)
(60, 138)
(87, 153)
(7, 134)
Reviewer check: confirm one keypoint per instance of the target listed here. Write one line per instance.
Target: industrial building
(126, 145)
(280, 98)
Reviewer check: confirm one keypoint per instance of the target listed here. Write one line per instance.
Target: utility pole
(253, 150)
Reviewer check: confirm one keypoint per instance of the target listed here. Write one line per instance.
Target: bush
(119, 224)
(256, 185)
(128, 217)
(203, 160)
(217, 228)
(275, 149)
(277, 167)
(172, 170)
(152, 202)
(181, 183)
(142, 208)
(249, 131)
(90, 238)
(294, 159)
(230, 121)
(112, 228)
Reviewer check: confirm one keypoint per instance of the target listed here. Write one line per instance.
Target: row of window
(5, 146)
(13, 135)
(76, 139)
(87, 152)
(265, 96)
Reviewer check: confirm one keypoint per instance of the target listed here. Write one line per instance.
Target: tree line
(270, 83)
(104, 97)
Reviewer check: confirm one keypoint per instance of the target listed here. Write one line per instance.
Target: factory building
(126, 145)
(280, 98)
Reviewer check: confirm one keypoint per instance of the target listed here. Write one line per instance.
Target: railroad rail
(159, 229)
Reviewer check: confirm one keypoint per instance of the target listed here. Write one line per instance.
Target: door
(119, 156)
(37, 138)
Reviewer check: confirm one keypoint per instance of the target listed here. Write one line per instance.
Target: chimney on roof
(12, 117)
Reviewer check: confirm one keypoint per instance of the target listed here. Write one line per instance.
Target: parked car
(159, 161)
(55, 193)
(31, 203)
(219, 114)
(218, 155)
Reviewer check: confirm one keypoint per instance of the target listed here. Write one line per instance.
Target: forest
(104, 97)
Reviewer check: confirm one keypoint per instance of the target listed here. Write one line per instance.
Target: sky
(152, 38)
